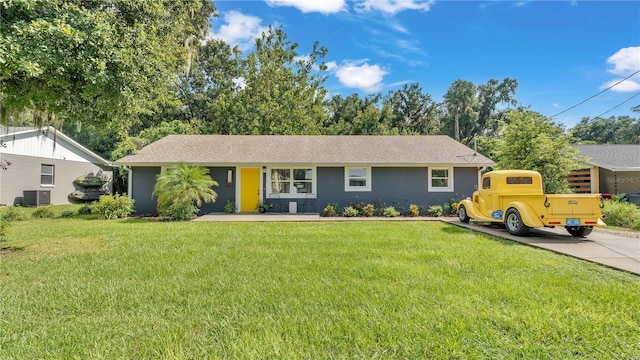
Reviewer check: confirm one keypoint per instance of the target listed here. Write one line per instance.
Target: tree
(278, 91)
(355, 116)
(533, 142)
(620, 130)
(214, 74)
(414, 112)
(490, 95)
(94, 61)
(460, 101)
(472, 111)
(180, 191)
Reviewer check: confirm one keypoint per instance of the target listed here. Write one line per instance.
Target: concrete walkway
(618, 250)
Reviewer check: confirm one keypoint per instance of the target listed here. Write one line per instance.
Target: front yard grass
(77, 288)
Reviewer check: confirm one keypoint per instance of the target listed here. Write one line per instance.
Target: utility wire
(591, 97)
(613, 108)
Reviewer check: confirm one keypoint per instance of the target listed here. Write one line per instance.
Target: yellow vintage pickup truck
(516, 199)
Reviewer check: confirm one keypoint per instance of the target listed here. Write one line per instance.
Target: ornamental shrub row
(362, 209)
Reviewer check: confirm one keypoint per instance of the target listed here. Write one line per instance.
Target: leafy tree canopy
(94, 61)
(614, 130)
(533, 142)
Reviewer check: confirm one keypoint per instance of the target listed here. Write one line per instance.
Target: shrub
(229, 208)
(454, 207)
(350, 211)
(436, 210)
(42, 212)
(182, 190)
(85, 209)
(67, 213)
(622, 214)
(114, 207)
(368, 210)
(414, 210)
(15, 214)
(391, 212)
(179, 212)
(329, 210)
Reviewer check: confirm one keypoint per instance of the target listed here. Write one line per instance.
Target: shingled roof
(612, 157)
(318, 150)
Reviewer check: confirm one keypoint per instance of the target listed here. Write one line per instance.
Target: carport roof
(227, 150)
(612, 157)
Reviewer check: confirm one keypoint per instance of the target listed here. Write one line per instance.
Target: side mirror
(475, 187)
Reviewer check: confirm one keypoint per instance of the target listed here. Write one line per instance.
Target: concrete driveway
(619, 250)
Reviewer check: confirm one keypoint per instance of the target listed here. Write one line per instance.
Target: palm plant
(180, 191)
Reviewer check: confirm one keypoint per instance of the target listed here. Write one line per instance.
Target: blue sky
(560, 52)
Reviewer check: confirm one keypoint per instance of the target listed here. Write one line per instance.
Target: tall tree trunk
(456, 124)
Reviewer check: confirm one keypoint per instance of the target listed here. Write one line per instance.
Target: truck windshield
(527, 180)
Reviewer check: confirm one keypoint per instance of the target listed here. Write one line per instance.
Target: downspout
(129, 181)
(480, 170)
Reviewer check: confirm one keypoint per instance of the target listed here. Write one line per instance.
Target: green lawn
(78, 288)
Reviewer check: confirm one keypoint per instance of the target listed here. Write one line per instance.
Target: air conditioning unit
(36, 197)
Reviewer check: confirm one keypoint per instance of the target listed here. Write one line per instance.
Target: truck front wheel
(579, 231)
(513, 223)
(462, 214)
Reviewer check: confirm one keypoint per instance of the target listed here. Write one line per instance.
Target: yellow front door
(249, 189)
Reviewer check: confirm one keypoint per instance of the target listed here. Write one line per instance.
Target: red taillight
(554, 223)
(591, 222)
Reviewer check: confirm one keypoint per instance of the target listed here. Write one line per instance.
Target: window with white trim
(47, 174)
(357, 179)
(440, 179)
(292, 182)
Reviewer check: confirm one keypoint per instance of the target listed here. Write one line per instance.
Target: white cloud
(394, 6)
(556, 105)
(625, 61)
(628, 85)
(331, 65)
(411, 46)
(306, 6)
(361, 75)
(239, 29)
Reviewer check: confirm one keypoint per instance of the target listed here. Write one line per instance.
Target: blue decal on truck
(497, 214)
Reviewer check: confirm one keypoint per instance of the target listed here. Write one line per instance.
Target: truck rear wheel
(513, 223)
(462, 214)
(579, 231)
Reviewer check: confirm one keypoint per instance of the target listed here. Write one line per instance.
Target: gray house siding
(24, 174)
(142, 183)
(393, 186)
(225, 193)
(144, 179)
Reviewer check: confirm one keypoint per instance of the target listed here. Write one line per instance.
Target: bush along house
(297, 174)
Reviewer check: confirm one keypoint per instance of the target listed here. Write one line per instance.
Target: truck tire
(462, 214)
(513, 223)
(579, 231)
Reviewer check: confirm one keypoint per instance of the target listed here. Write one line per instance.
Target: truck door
(485, 196)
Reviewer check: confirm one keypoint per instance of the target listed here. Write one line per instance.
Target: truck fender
(472, 210)
(528, 215)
